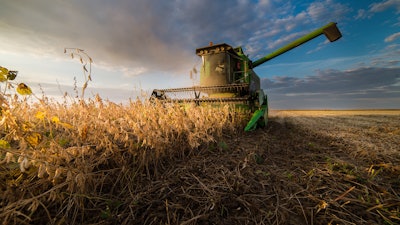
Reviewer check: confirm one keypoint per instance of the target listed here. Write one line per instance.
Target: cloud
(328, 9)
(125, 34)
(361, 14)
(293, 22)
(385, 5)
(336, 89)
(152, 36)
(377, 8)
(320, 46)
(392, 37)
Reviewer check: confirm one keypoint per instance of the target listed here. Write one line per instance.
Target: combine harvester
(227, 76)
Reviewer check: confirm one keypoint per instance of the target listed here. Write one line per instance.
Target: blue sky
(142, 45)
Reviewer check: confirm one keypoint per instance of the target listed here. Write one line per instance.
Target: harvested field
(305, 167)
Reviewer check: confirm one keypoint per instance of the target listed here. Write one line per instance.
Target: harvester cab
(227, 76)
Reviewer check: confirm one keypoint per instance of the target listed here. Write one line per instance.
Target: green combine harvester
(227, 76)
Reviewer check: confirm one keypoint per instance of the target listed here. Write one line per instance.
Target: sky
(140, 45)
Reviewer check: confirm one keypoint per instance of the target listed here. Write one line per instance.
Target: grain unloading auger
(227, 76)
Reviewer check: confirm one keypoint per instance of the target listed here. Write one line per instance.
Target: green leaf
(23, 89)
(12, 75)
(4, 144)
(3, 74)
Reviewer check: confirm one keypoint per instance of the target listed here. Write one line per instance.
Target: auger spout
(330, 30)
